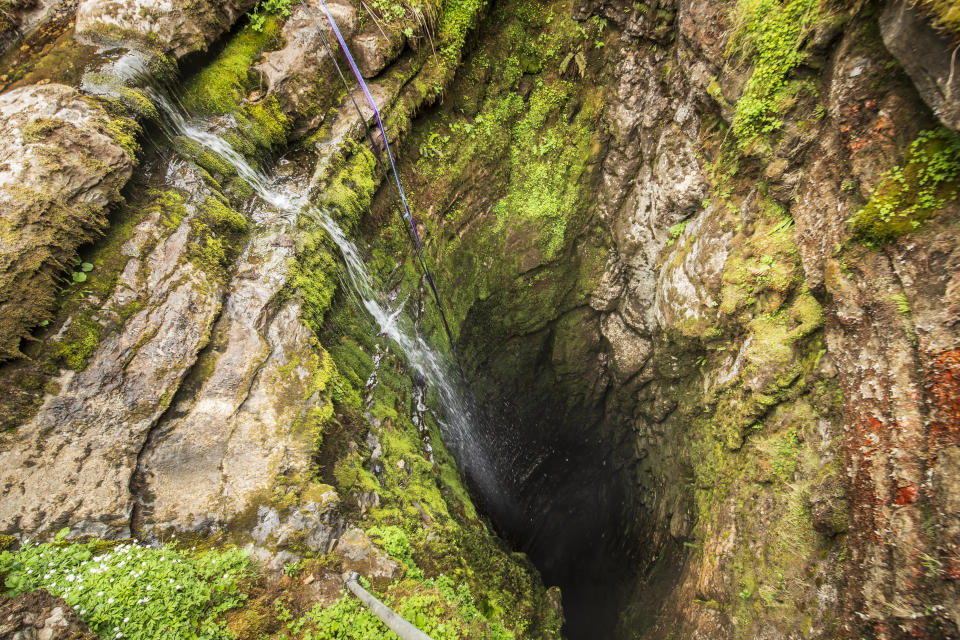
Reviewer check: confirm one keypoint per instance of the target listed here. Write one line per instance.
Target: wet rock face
(61, 165)
(175, 27)
(40, 616)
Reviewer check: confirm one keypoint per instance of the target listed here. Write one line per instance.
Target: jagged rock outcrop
(63, 162)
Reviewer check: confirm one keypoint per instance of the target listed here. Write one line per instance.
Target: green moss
(79, 342)
(550, 156)
(221, 85)
(125, 131)
(909, 195)
(217, 232)
(205, 158)
(39, 129)
(222, 217)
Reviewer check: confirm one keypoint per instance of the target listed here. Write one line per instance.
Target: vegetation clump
(79, 341)
(216, 233)
(771, 34)
(910, 194)
(133, 591)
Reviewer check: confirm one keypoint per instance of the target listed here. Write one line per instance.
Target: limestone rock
(291, 72)
(175, 27)
(630, 350)
(72, 464)
(60, 167)
(927, 55)
(234, 432)
(358, 553)
(375, 49)
(11, 20)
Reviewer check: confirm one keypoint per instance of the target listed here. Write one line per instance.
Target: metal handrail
(394, 622)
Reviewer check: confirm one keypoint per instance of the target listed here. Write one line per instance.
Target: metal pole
(395, 623)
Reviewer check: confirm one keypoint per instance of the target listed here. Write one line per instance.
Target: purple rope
(396, 175)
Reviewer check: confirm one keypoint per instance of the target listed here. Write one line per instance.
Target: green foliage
(395, 542)
(132, 591)
(221, 85)
(266, 8)
(903, 305)
(458, 16)
(907, 196)
(437, 607)
(389, 10)
(675, 232)
(770, 33)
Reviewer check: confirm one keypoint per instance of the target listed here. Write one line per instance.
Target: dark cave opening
(563, 481)
(564, 507)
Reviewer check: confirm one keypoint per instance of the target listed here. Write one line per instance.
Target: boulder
(174, 27)
(291, 72)
(358, 553)
(62, 163)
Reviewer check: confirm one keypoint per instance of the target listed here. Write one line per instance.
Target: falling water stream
(393, 320)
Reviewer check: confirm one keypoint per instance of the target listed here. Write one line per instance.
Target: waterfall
(457, 418)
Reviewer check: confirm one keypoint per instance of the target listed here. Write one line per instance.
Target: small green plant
(130, 590)
(903, 305)
(395, 542)
(675, 232)
(258, 17)
(293, 569)
(80, 274)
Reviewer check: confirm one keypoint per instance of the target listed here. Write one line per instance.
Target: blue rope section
(407, 216)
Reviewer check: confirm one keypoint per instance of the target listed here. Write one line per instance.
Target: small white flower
(146, 599)
(148, 587)
(119, 635)
(110, 601)
(71, 578)
(178, 587)
(82, 611)
(126, 620)
(99, 593)
(29, 570)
